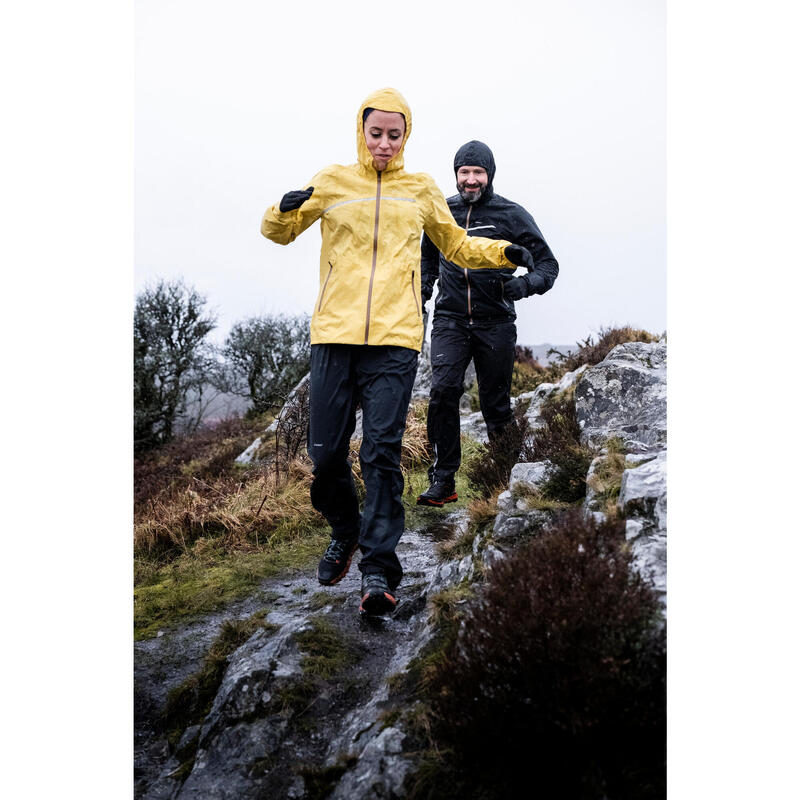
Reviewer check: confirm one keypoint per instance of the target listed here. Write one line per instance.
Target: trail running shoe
(376, 599)
(336, 561)
(440, 492)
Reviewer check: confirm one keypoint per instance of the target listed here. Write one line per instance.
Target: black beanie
(475, 154)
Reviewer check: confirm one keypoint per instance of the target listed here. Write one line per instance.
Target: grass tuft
(606, 480)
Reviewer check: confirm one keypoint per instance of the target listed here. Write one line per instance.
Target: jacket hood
(476, 154)
(384, 100)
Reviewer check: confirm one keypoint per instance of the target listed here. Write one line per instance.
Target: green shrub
(556, 681)
(558, 441)
(490, 471)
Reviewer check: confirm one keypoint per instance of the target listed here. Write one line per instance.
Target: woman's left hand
(519, 256)
(292, 200)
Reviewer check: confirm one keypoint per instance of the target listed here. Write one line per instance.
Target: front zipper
(466, 272)
(325, 286)
(374, 256)
(414, 292)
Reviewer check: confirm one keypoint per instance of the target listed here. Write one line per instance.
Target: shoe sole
(375, 605)
(342, 574)
(427, 501)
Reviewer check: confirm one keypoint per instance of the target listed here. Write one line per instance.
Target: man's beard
(470, 197)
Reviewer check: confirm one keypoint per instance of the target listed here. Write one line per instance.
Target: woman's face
(384, 132)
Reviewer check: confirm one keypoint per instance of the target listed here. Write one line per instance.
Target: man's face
(471, 183)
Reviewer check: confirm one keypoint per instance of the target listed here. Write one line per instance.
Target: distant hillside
(540, 350)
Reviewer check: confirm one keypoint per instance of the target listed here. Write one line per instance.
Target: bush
(557, 679)
(589, 352)
(266, 357)
(559, 441)
(491, 470)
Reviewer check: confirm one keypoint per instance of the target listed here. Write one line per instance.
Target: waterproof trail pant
(453, 343)
(380, 378)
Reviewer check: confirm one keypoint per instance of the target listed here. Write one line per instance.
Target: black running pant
(453, 343)
(380, 378)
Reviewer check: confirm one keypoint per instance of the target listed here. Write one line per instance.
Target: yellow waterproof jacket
(371, 225)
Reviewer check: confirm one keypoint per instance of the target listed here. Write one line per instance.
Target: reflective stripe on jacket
(371, 224)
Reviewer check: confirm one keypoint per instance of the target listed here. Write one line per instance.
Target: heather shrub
(556, 682)
(558, 441)
(491, 469)
(591, 352)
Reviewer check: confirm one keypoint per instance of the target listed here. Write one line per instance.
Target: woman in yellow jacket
(366, 331)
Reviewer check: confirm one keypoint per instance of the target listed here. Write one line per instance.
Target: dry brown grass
(207, 454)
(243, 514)
(606, 481)
(483, 510)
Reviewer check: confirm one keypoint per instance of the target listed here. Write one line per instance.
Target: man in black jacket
(474, 314)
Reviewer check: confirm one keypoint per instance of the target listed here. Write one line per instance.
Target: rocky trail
(248, 746)
(302, 707)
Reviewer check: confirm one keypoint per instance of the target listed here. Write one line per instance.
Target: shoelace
(337, 549)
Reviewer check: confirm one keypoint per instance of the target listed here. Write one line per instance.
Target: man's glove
(519, 256)
(516, 288)
(292, 200)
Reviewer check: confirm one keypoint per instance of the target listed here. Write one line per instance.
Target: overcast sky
(235, 108)
(238, 103)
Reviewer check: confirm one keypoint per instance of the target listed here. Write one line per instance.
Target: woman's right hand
(292, 200)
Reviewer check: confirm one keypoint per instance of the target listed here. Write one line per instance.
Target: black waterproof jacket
(477, 294)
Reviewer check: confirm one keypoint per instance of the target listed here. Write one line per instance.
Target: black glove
(292, 200)
(519, 256)
(516, 288)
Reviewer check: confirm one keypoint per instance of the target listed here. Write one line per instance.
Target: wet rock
(248, 456)
(297, 790)
(240, 733)
(189, 738)
(531, 475)
(506, 502)
(536, 398)
(380, 771)
(642, 486)
(643, 500)
(237, 763)
(625, 395)
(491, 555)
(473, 425)
(512, 527)
(506, 527)
(591, 494)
